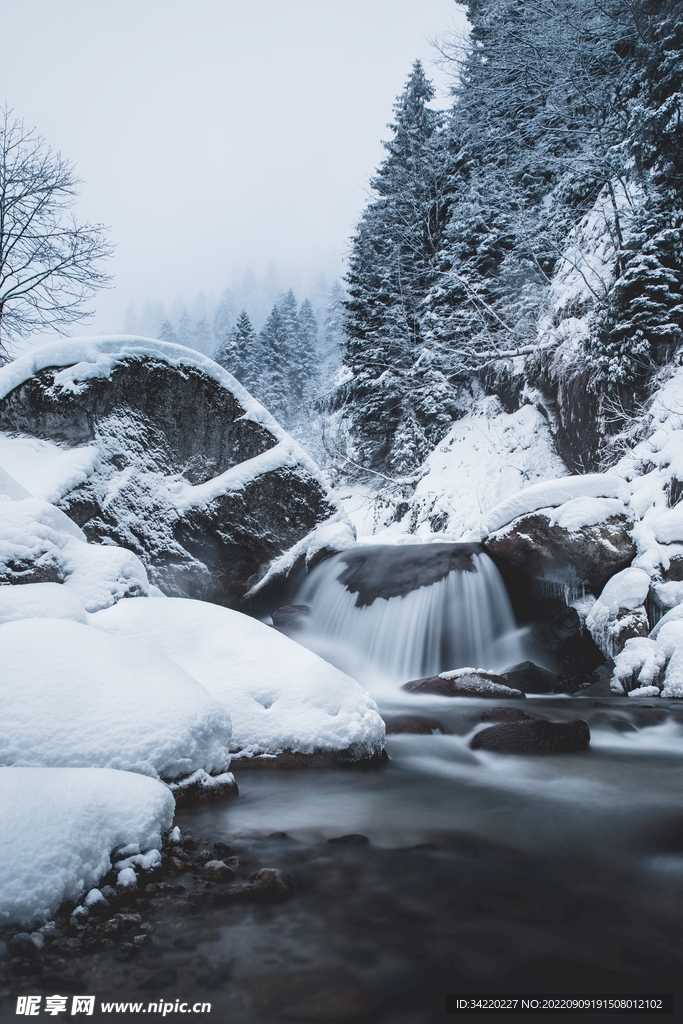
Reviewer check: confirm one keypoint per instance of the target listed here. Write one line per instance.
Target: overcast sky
(215, 135)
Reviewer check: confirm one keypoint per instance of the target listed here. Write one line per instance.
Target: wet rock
(270, 885)
(289, 759)
(120, 923)
(557, 633)
(150, 420)
(541, 550)
(176, 866)
(506, 715)
(464, 683)
(200, 787)
(189, 844)
(530, 678)
(412, 725)
(387, 570)
(290, 616)
(22, 944)
(218, 871)
(223, 850)
(352, 839)
(534, 737)
(613, 721)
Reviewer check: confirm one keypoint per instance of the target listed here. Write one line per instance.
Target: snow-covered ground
(60, 827)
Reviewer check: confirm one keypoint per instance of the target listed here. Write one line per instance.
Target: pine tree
(223, 321)
(272, 387)
(202, 339)
(241, 354)
(166, 332)
(393, 263)
(185, 329)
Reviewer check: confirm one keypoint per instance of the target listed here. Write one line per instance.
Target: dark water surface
(483, 873)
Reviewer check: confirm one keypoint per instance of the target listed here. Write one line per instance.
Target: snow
(485, 458)
(553, 493)
(84, 359)
(280, 695)
(625, 591)
(44, 469)
(40, 601)
(59, 828)
(74, 696)
(33, 531)
(336, 534)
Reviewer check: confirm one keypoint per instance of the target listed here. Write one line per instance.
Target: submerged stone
(464, 683)
(534, 737)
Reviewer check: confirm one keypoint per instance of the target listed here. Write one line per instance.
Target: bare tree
(49, 263)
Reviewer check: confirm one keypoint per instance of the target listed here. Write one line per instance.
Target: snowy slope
(59, 828)
(488, 456)
(280, 696)
(73, 696)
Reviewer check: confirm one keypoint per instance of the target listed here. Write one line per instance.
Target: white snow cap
(553, 493)
(72, 696)
(280, 695)
(59, 827)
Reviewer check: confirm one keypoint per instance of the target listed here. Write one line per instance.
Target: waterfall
(410, 610)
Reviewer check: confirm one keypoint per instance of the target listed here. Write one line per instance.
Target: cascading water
(410, 610)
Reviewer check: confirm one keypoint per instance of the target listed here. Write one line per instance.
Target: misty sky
(215, 135)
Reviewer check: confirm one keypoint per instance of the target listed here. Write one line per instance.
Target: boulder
(539, 548)
(464, 682)
(289, 616)
(412, 725)
(534, 737)
(530, 677)
(184, 468)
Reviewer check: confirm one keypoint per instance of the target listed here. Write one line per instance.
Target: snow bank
(72, 696)
(59, 827)
(40, 601)
(280, 695)
(553, 493)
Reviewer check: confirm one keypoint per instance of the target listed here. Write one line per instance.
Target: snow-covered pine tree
(393, 262)
(241, 354)
(223, 321)
(202, 338)
(305, 354)
(184, 331)
(272, 387)
(166, 332)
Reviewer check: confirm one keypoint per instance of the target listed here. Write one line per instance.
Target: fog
(217, 137)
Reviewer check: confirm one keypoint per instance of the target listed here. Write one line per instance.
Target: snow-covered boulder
(73, 696)
(40, 544)
(40, 601)
(619, 614)
(281, 697)
(60, 827)
(572, 533)
(156, 448)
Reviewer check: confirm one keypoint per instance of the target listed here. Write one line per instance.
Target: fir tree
(272, 387)
(393, 263)
(166, 332)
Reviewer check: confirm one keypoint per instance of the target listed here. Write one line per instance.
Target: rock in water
(530, 677)
(534, 737)
(189, 471)
(464, 682)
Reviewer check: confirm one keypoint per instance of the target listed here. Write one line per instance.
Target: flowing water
(513, 873)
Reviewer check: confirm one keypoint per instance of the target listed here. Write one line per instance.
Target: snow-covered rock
(59, 828)
(74, 696)
(40, 544)
(574, 497)
(619, 613)
(281, 697)
(156, 448)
